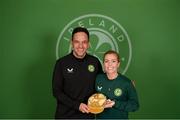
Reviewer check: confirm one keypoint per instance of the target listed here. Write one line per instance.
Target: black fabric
(74, 83)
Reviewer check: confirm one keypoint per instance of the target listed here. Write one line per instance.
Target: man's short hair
(80, 29)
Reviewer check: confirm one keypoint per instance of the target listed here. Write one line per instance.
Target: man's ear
(71, 44)
(88, 44)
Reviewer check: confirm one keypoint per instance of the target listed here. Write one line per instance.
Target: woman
(120, 91)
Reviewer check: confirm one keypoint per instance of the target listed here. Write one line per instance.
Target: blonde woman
(120, 91)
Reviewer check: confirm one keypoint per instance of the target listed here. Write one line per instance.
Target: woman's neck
(112, 76)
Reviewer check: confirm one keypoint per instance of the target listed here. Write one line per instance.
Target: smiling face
(80, 44)
(111, 64)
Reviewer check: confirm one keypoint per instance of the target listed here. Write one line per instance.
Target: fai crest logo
(117, 92)
(91, 68)
(105, 34)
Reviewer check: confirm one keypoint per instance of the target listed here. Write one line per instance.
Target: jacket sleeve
(132, 103)
(100, 71)
(57, 86)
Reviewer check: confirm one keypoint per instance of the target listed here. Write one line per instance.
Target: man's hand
(83, 108)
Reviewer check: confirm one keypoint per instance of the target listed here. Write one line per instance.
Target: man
(74, 78)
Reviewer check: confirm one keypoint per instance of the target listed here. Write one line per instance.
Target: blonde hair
(112, 52)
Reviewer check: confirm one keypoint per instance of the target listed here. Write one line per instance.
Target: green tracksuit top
(122, 91)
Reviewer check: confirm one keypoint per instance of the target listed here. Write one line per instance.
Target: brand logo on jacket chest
(70, 70)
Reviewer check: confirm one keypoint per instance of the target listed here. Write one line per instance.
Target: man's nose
(80, 45)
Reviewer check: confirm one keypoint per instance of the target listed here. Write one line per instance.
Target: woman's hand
(109, 104)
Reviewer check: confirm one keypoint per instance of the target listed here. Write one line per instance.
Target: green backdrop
(29, 30)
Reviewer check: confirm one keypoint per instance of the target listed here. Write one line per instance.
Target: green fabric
(122, 91)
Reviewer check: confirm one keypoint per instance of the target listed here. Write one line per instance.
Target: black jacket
(74, 83)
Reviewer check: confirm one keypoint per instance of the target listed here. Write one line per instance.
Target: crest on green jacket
(117, 92)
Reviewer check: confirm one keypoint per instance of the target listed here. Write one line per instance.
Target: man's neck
(79, 57)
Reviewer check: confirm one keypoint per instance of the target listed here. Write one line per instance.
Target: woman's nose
(109, 63)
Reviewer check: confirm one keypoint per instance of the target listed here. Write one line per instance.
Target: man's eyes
(77, 42)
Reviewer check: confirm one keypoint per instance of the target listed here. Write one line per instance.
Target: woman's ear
(119, 64)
